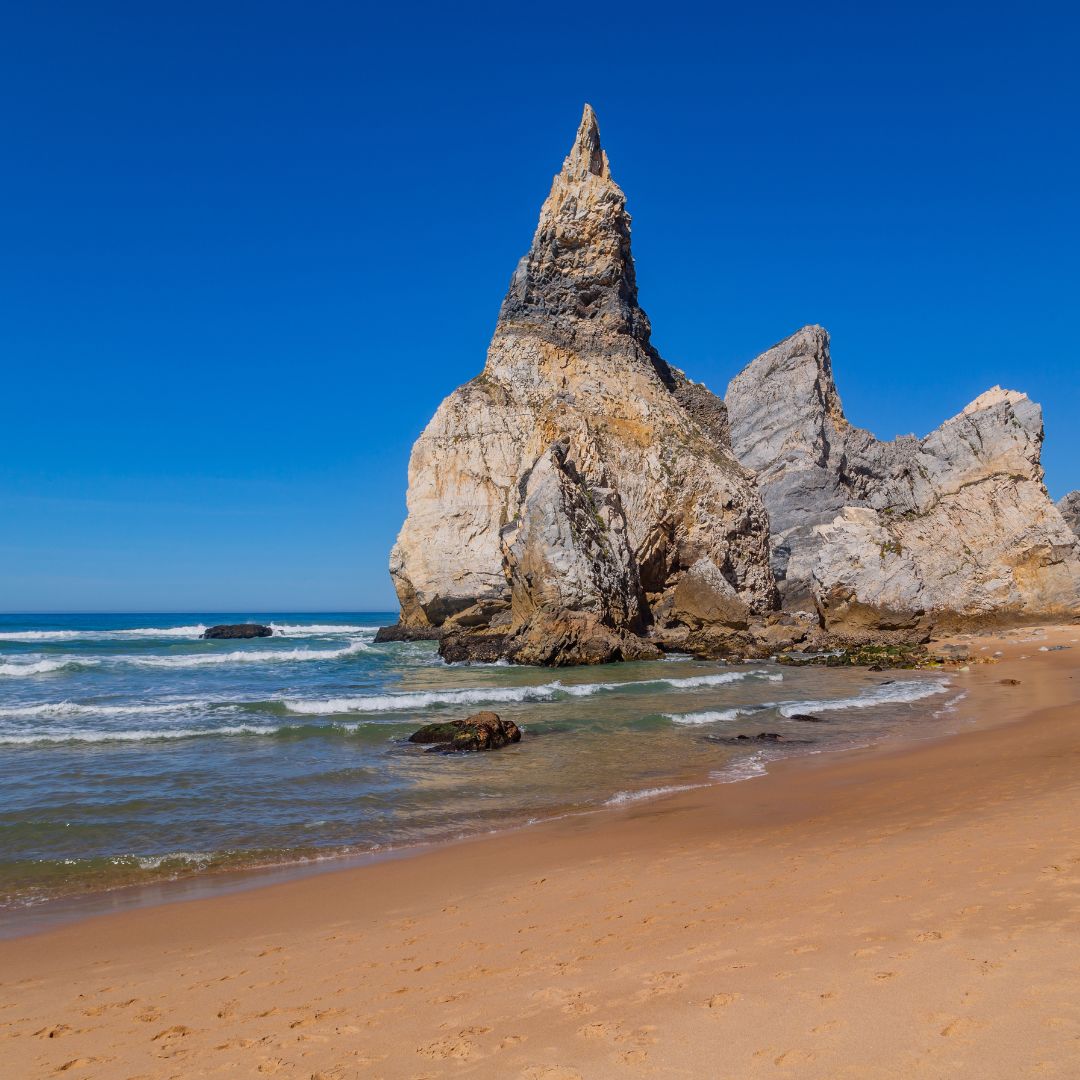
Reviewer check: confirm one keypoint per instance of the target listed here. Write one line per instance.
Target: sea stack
(558, 499)
(894, 538)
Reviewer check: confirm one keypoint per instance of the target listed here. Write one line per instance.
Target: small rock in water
(238, 630)
(806, 718)
(1010, 682)
(483, 731)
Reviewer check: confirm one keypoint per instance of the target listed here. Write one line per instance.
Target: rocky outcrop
(885, 538)
(482, 731)
(1069, 508)
(558, 499)
(238, 630)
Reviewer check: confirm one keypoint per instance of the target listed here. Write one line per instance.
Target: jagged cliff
(897, 536)
(558, 499)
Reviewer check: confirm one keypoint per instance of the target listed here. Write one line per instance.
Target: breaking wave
(39, 667)
(104, 635)
(707, 716)
(896, 693)
(190, 632)
(72, 708)
(497, 695)
(242, 656)
(621, 798)
(887, 694)
(139, 735)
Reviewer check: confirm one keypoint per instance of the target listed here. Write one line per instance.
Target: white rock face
(891, 535)
(558, 497)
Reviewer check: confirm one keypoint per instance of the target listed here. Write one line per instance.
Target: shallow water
(132, 751)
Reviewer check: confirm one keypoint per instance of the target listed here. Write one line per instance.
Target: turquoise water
(131, 750)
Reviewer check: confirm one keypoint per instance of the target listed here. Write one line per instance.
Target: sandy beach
(911, 910)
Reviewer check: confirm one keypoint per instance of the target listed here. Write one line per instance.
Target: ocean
(132, 751)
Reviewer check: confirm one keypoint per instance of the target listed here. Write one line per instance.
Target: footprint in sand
(550, 1072)
(459, 1046)
(570, 1001)
(721, 1001)
(961, 1026)
(595, 1031)
(663, 982)
(79, 1063)
(177, 1032)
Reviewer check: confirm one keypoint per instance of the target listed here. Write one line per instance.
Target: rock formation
(557, 501)
(237, 630)
(1069, 507)
(897, 536)
(481, 731)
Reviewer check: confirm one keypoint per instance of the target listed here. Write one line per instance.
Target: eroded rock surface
(1069, 507)
(481, 731)
(892, 537)
(558, 499)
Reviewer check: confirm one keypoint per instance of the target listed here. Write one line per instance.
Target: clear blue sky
(247, 248)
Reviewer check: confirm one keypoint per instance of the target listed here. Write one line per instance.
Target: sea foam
(497, 695)
(242, 656)
(39, 666)
(897, 693)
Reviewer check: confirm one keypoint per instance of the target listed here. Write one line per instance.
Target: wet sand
(907, 911)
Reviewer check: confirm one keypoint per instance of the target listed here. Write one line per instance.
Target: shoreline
(78, 905)
(713, 925)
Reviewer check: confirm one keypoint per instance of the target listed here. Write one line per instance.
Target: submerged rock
(483, 731)
(558, 499)
(238, 630)
(884, 540)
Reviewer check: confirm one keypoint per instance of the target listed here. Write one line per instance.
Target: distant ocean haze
(133, 750)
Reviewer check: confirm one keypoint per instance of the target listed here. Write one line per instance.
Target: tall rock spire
(557, 500)
(578, 276)
(586, 155)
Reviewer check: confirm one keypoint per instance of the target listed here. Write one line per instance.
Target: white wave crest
(318, 629)
(72, 708)
(74, 735)
(198, 859)
(706, 716)
(242, 656)
(621, 798)
(104, 635)
(17, 669)
(896, 693)
(495, 695)
(746, 768)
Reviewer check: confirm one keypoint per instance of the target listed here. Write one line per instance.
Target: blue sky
(247, 249)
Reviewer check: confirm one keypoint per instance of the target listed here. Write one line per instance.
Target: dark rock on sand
(806, 718)
(238, 630)
(1010, 682)
(483, 731)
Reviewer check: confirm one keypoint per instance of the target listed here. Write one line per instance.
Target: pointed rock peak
(586, 155)
(989, 398)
